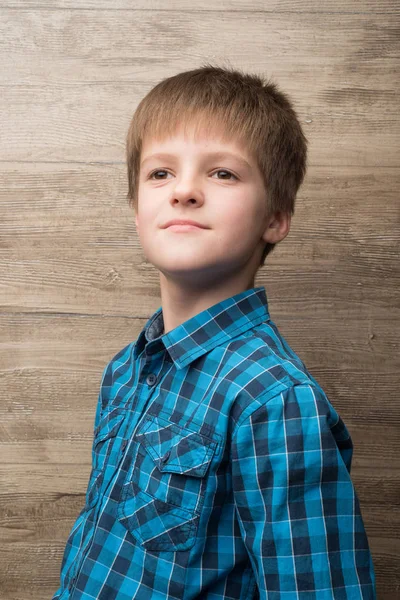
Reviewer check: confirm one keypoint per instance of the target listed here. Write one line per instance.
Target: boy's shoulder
(262, 358)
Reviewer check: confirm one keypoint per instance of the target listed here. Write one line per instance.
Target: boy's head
(189, 116)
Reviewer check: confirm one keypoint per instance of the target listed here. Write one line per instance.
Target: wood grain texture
(342, 7)
(76, 287)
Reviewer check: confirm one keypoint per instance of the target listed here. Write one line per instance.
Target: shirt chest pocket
(104, 452)
(161, 502)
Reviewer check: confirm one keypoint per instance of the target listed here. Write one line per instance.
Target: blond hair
(247, 107)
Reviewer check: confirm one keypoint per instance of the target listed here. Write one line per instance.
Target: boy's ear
(278, 226)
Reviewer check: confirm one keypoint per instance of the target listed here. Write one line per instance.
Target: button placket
(71, 584)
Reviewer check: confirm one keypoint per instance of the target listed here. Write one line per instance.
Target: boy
(220, 467)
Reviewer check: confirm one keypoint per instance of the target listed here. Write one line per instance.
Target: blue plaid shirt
(220, 471)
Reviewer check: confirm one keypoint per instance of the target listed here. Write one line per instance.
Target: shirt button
(165, 457)
(151, 379)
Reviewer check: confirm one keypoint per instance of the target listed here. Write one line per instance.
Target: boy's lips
(183, 222)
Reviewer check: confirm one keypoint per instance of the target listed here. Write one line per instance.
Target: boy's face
(225, 194)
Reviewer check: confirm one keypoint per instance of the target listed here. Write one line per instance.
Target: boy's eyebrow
(218, 155)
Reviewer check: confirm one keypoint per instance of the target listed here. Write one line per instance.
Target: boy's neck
(180, 301)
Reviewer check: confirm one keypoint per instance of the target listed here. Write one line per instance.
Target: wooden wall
(75, 287)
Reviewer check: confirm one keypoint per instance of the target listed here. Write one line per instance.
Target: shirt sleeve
(297, 508)
(102, 398)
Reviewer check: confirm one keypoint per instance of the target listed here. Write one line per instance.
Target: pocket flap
(109, 425)
(176, 449)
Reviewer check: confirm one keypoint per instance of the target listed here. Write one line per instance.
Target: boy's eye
(155, 172)
(224, 171)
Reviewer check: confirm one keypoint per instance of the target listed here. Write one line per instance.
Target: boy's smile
(214, 183)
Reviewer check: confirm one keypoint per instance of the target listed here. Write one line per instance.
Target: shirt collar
(206, 330)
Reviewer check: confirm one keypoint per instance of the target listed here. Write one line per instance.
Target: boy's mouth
(183, 228)
(188, 223)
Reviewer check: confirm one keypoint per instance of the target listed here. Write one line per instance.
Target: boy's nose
(186, 200)
(187, 193)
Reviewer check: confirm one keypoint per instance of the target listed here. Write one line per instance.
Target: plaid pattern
(220, 470)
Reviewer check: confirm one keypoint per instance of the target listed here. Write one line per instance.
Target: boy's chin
(181, 265)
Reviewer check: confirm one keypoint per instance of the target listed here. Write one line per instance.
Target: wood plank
(272, 6)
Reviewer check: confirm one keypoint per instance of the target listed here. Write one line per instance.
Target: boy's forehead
(207, 139)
